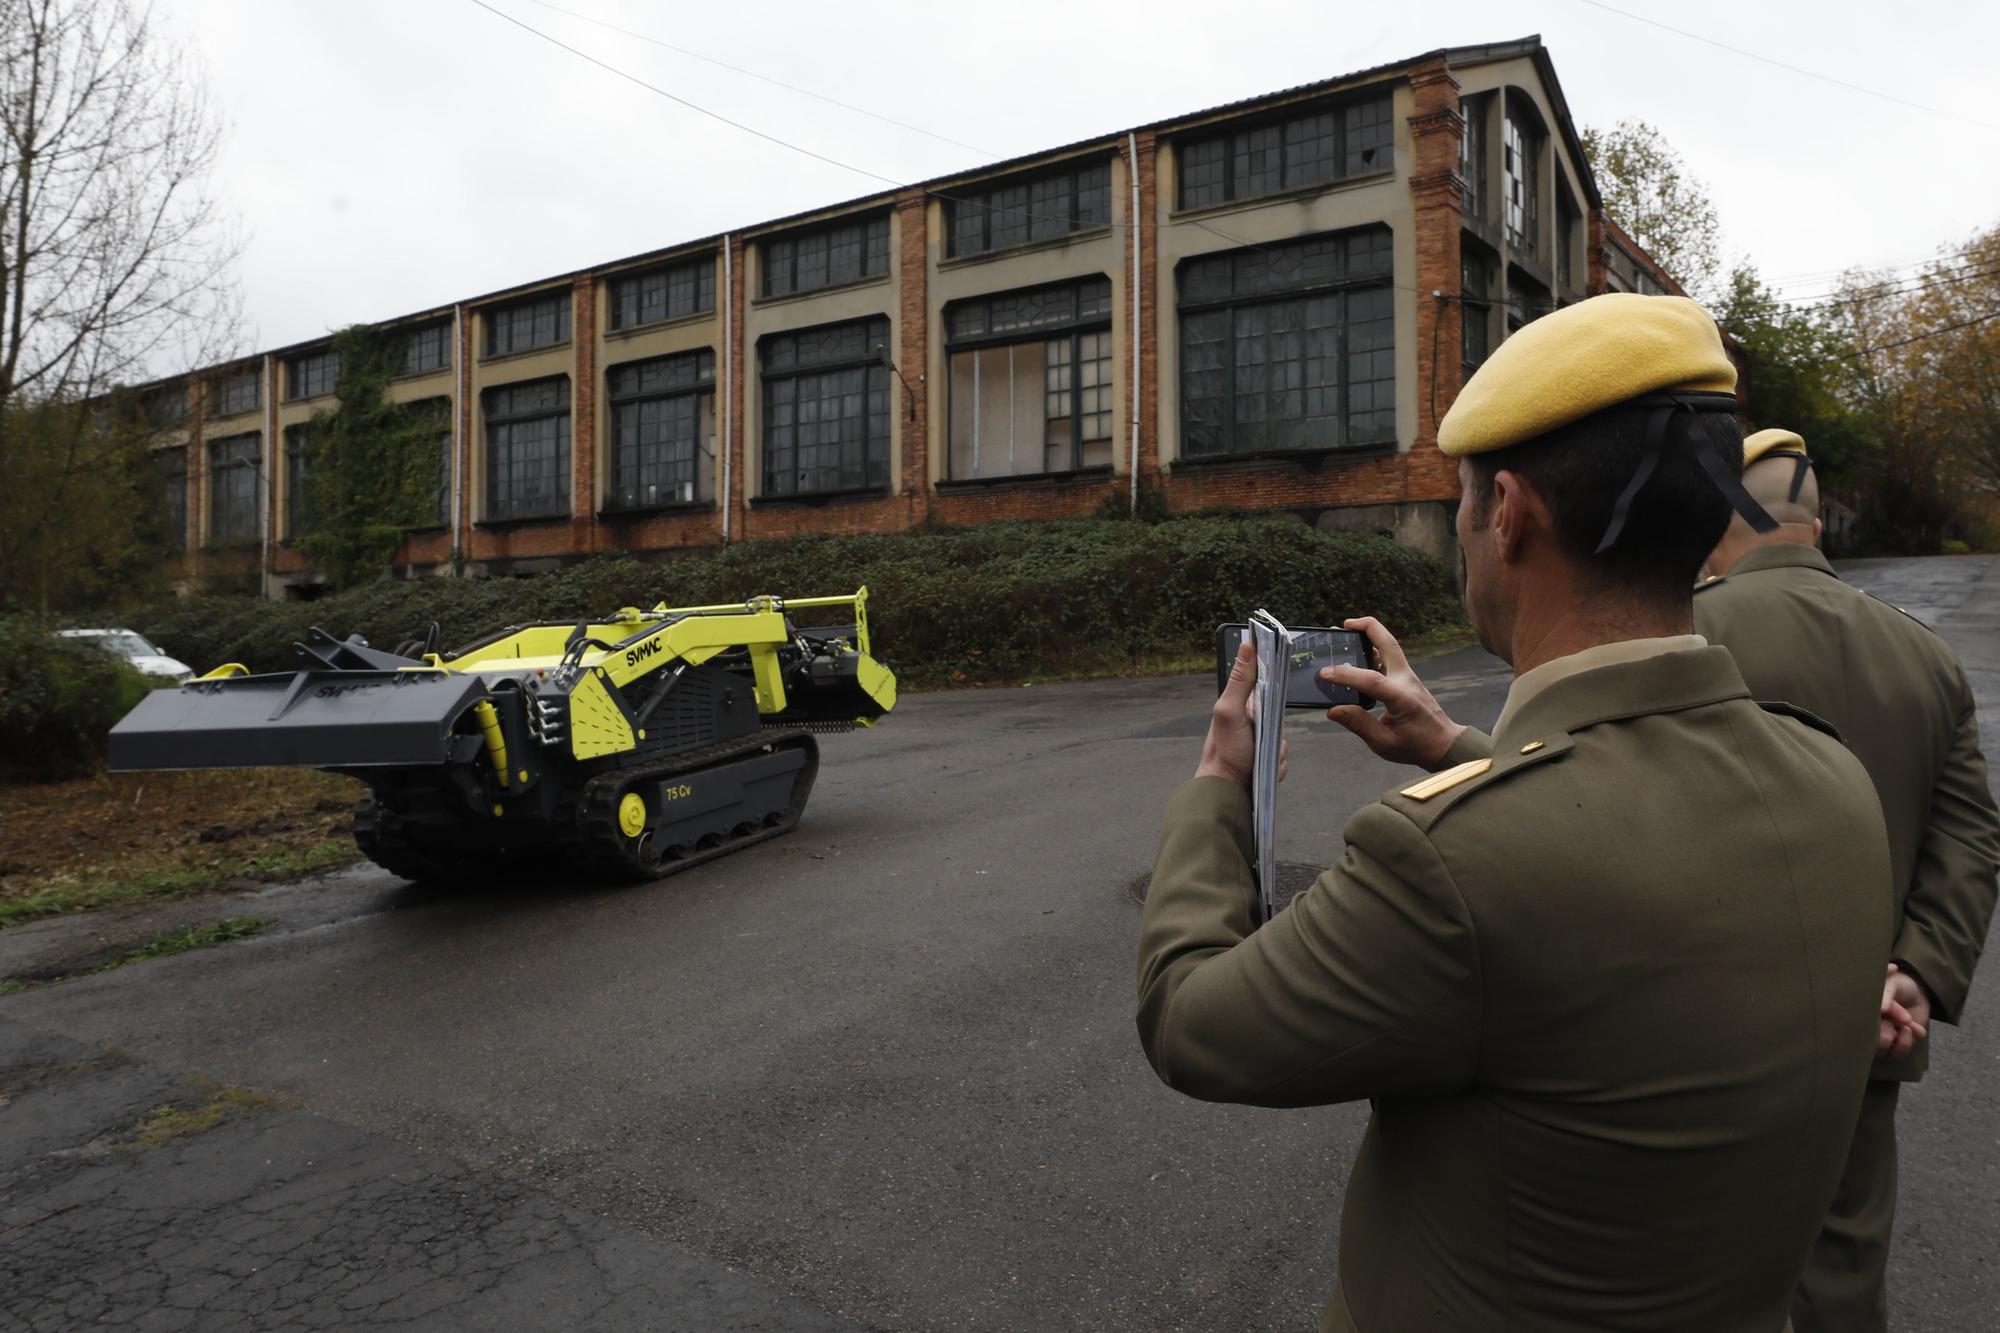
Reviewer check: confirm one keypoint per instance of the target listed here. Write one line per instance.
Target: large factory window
(1031, 381)
(233, 468)
(1289, 347)
(527, 450)
(662, 431)
(826, 409)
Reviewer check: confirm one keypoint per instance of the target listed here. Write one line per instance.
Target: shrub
(58, 701)
(1953, 546)
(957, 604)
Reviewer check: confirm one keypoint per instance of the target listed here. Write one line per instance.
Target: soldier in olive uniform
(1902, 704)
(1611, 983)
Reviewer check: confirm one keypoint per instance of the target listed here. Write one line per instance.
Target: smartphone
(1313, 648)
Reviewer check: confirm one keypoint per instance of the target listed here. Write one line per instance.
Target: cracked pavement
(882, 1070)
(277, 1220)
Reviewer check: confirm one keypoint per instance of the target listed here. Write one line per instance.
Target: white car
(135, 649)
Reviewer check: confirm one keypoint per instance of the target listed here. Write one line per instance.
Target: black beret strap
(1666, 411)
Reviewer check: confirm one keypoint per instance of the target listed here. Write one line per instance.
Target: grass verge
(204, 936)
(99, 842)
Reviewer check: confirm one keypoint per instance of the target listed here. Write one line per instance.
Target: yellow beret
(1582, 359)
(1772, 441)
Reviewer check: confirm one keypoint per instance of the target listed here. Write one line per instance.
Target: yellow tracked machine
(634, 746)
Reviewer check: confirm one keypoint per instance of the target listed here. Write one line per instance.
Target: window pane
(1370, 136)
(298, 462)
(427, 349)
(1093, 195)
(314, 374)
(170, 474)
(997, 411)
(527, 442)
(1309, 151)
(1008, 221)
(968, 226)
(1204, 381)
(240, 392)
(542, 322)
(233, 467)
(1476, 281)
(826, 429)
(1472, 156)
(1203, 165)
(779, 257)
(660, 424)
(1255, 162)
(1093, 380)
(1299, 372)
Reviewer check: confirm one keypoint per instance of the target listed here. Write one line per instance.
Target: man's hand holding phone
(1411, 728)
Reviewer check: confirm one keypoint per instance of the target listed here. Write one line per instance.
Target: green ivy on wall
(375, 470)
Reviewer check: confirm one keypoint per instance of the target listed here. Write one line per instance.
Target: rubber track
(591, 831)
(387, 843)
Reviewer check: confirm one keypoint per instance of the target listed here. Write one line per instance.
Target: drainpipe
(457, 429)
(1132, 163)
(728, 431)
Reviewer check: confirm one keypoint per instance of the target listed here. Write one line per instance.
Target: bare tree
(1648, 188)
(115, 266)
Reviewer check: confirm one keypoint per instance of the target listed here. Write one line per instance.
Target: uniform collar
(1781, 555)
(1617, 680)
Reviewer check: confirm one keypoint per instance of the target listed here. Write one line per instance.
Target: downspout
(728, 383)
(1132, 163)
(457, 430)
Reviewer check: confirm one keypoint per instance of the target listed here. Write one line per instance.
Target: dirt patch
(72, 846)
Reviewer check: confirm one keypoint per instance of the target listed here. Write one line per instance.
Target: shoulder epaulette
(1899, 610)
(1426, 800)
(1805, 715)
(1445, 781)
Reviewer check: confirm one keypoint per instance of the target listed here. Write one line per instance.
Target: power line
(1913, 286)
(936, 194)
(1920, 337)
(846, 166)
(675, 97)
(1796, 69)
(1811, 276)
(776, 83)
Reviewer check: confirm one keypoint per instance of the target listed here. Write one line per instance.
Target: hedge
(995, 602)
(58, 700)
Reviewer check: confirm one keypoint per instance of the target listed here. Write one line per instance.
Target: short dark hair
(1580, 470)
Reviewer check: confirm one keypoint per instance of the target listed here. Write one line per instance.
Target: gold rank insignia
(1445, 781)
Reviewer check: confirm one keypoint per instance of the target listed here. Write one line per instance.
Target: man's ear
(1517, 512)
(1819, 526)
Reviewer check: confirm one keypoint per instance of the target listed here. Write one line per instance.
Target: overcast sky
(389, 155)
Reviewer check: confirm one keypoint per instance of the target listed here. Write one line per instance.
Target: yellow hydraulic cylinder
(496, 744)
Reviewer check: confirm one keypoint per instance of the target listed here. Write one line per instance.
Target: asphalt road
(882, 1071)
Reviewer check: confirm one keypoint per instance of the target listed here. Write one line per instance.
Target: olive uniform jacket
(1613, 994)
(1901, 702)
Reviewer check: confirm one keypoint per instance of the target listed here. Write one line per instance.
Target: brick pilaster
(583, 414)
(1145, 340)
(1436, 130)
(465, 407)
(913, 352)
(741, 380)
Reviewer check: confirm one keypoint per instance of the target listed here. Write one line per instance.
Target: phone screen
(1313, 648)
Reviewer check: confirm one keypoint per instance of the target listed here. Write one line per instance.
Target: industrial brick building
(1312, 276)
